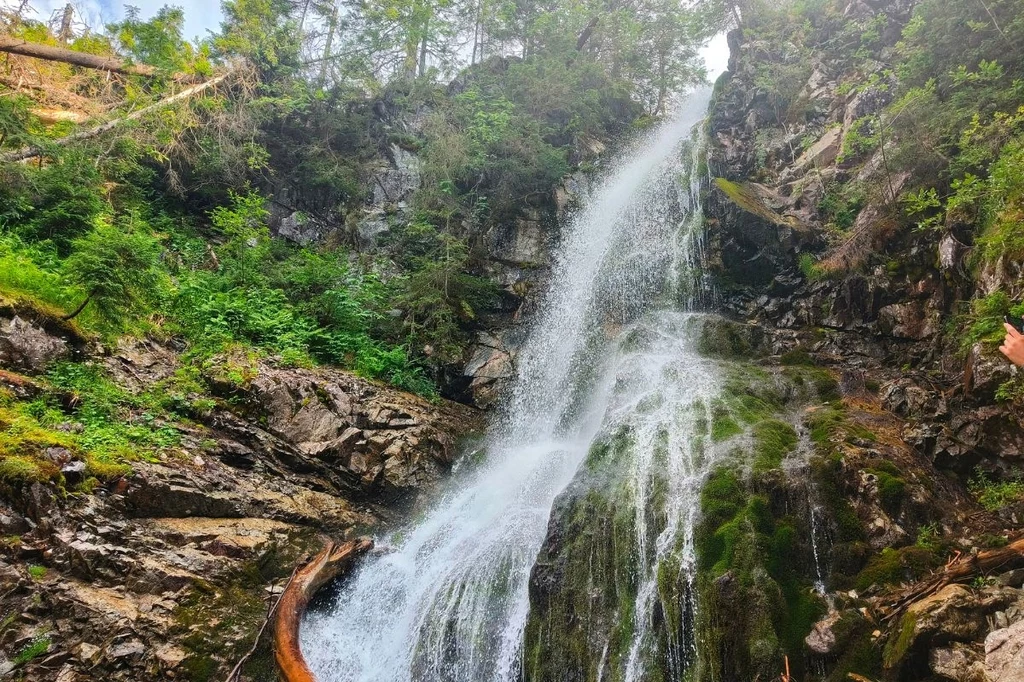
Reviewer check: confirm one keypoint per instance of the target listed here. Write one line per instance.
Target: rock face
(167, 572)
(27, 347)
(844, 281)
(1004, 654)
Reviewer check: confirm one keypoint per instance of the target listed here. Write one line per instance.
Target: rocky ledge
(168, 571)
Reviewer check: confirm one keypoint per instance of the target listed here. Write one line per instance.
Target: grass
(995, 495)
(83, 415)
(24, 281)
(34, 649)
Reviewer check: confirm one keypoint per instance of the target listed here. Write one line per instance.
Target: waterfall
(611, 350)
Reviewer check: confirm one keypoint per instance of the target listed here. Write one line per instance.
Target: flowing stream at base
(612, 348)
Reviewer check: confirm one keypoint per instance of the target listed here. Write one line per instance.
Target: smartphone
(1017, 322)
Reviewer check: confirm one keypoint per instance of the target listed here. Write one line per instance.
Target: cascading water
(610, 355)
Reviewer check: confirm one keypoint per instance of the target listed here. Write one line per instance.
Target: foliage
(984, 323)
(117, 267)
(34, 649)
(994, 495)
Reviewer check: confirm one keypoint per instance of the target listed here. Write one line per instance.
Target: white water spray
(450, 602)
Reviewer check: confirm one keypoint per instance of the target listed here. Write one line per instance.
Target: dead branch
(50, 92)
(66, 56)
(292, 605)
(27, 152)
(961, 570)
(237, 670)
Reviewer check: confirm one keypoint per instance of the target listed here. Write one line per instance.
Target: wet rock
(823, 152)
(954, 614)
(910, 320)
(490, 367)
(523, 241)
(906, 398)
(396, 183)
(28, 347)
(756, 241)
(130, 649)
(985, 372)
(822, 639)
(73, 472)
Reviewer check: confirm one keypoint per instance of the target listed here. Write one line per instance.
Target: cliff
(819, 150)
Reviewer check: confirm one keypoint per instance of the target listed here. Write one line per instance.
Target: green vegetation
(995, 495)
(160, 227)
(896, 566)
(34, 649)
(740, 535)
(773, 440)
(83, 413)
(37, 572)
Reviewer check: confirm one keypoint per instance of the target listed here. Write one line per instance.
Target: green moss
(723, 426)
(891, 491)
(37, 572)
(16, 469)
(798, 356)
(722, 338)
(773, 440)
(900, 641)
(819, 381)
(859, 652)
(895, 566)
(746, 197)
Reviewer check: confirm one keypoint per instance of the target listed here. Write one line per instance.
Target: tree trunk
(60, 54)
(1001, 559)
(79, 309)
(27, 152)
(331, 27)
(581, 42)
(323, 568)
(65, 24)
(423, 47)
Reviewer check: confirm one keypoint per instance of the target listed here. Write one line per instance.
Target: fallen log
(27, 152)
(324, 567)
(1001, 559)
(51, 53)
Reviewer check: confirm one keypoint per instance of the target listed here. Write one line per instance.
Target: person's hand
(1013, 345)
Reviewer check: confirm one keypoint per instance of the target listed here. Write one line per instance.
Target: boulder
(522, 241)
(910, 320)
(953, 614)
(25, 346)
(958, 662)
(1004, 654)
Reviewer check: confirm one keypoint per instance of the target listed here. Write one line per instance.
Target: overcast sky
(200, 15)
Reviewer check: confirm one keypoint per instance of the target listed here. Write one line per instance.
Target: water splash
(818, 535)
(449, 602)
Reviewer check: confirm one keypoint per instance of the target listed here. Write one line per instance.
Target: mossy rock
(895, 566)
(747, 198)
(722, 338)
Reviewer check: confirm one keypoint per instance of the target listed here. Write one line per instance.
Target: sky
(200, 15)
